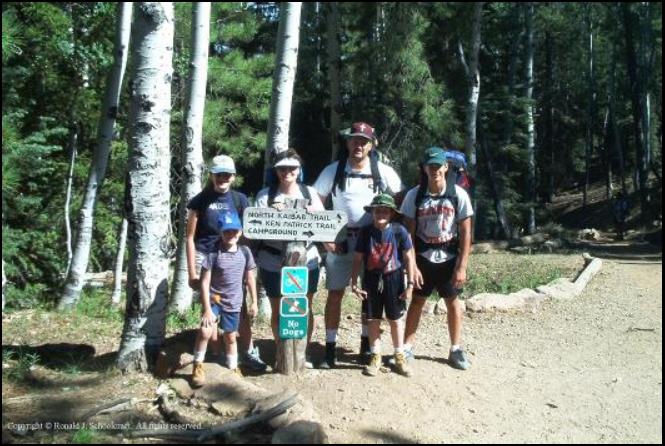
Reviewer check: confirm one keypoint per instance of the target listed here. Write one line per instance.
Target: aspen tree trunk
(119, 259)
(192, 156)
(531, 137)
(473, 77)
(147, 186)
(290, 355)
(81, 255)
(73, 143)
(332, 29)
(288, 34)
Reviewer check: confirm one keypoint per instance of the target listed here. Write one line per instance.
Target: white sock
(375, 349)
(365, 331)
(399, 350)
(331, 335)
(408, 347)
(455, 347)
(200, 356)
(232, 361)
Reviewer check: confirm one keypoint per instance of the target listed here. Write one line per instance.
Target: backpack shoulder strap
(304, 190)
(379, 185)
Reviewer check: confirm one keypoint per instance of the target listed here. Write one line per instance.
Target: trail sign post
(298, 227)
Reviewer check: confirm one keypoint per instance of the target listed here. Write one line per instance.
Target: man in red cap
(352, 183)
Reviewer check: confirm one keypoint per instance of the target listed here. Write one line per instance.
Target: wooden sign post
(298, 227)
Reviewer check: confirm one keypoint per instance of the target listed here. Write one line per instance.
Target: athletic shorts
(388, 299)
(436, 276)
(272, 282)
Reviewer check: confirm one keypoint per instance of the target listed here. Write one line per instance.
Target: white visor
(288, 162)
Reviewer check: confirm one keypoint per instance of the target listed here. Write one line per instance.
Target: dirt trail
(587, 370)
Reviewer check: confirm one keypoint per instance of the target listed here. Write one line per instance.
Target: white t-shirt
(272, 262)
(437, 220)
(359, 192)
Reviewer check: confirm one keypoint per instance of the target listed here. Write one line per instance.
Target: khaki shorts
(338, 270)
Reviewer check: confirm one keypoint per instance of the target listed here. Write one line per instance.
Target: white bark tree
(288, 34)
(73, 145)
(192, 156)
(473, 78)
(81, 255)
(332, 31)
(531, 131)
(147, 186)
(119, 259)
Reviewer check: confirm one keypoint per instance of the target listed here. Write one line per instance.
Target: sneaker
(457, 360)
(329, 362)
(252, 360)
(198, 375)
(372, 369)
(400, 365)
(308, 363)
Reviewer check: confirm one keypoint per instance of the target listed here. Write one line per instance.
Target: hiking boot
(457, 360)
(252, 360)
(329, 361)
(400, 365)
(365, 352)
(372, 369)
(408, 355)
(198, 375)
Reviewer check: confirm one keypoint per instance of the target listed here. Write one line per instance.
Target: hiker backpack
(341, 174)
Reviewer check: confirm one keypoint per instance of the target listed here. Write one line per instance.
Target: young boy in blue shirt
(223, 275)
(385, 250)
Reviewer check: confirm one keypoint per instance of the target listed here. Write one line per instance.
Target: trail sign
(294, 280)
(294, 224)
(293, 311)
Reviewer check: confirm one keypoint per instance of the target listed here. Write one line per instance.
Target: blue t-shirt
(227, 271)
(383, 249)
(209, 204)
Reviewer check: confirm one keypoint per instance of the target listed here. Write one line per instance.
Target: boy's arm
(358, 259)
(250, 277)
(459, 274)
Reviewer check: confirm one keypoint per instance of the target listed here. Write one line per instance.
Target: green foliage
(84, 436)
(19, 365)
(176, 323)
(95, 303)
(508, 273)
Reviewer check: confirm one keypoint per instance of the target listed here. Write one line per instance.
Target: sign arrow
(308, 233)
(256, 222)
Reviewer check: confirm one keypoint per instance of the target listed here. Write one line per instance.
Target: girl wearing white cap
(204, 209)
